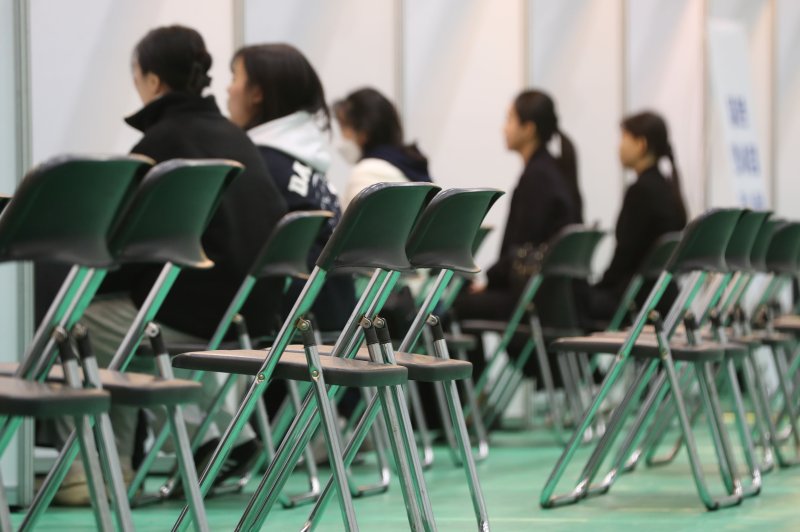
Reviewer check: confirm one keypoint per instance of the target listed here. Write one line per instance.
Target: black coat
(542, 204)
(336, 298)
(182, 126)
(650, 209)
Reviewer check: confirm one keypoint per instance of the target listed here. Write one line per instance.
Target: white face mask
(349, 150)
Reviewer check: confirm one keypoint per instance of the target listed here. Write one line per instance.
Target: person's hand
(476, 287)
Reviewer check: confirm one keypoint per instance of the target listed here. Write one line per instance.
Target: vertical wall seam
(24, 272)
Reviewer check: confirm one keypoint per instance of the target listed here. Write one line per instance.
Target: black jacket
(182, 126)
(541, 205)
(304, 188)
(650, 209)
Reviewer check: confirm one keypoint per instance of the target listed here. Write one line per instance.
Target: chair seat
(425, 368)
(499, 326)
(460, 341)
(293, 366)
(24, 398)
(134, 389)
(645, 347)
(789, 323)
(421, 368)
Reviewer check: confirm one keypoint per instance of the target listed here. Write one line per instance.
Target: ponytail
(674, 178)
(567, 161)
(538, 107)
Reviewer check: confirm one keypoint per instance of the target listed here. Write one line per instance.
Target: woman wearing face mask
(652, 206)
(277, 97)
(545, 199)
(170, 73)
(372, 141)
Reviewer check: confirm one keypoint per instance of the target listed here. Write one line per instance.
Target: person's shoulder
(378, 168)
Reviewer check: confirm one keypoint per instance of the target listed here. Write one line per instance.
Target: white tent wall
(12, 276)
(80, 66)
(786, 108)
(756, 18)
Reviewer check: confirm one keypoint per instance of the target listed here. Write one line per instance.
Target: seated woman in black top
(544, 201)
(170, 66)
(652, 206)
(277, 97)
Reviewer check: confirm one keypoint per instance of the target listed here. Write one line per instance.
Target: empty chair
(62, 212)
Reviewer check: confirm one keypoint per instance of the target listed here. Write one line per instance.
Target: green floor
(512, 477)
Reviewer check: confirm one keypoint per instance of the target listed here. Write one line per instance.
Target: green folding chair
(701, 250)
(565, 258)
(62, 212)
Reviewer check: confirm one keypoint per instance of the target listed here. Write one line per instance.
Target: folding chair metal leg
(187, 469)
(406, 437)
(785, 386)
(760, 387)
(441, 404)
(377, 436)
(460, 429)
(571, 394)
(177, 428)
(627, 452)
(762, 431)
(43, 498)
(360, 433)
(691, 445)
(426, 443)
(719, 434)
(547, 498)
(94, 476)
(471, 399)
(109, 457)
(5, 513)
(635, 431)
(664, 421)
(311, 466)
(329, 425)
(754, 486)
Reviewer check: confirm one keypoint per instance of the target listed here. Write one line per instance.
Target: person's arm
(632, 238)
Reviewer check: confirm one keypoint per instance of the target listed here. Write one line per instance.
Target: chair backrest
(758, 254)
(782, 253)
(64, 208)
(704, 242)
(444, 236)
(569, 253)
(166, 218)
(740, 246)
(286, 252)
(480, 237)
(657, 259)
(375, 227)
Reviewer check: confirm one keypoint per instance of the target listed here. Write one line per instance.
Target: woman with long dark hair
(652, 206)
(372, 141)
(277, 97)
(545, 199)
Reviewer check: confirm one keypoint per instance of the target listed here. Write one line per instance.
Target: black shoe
(240, 460)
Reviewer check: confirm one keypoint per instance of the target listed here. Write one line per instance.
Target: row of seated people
(278, 129)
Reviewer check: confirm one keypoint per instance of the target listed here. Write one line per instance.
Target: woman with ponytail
(170, 72)
(652, 206)
(545, 199)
